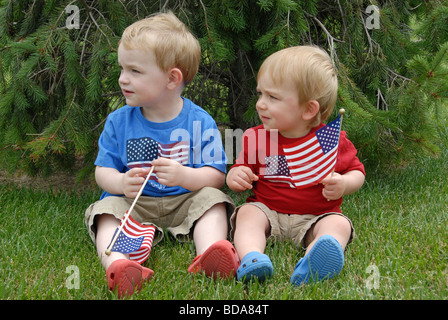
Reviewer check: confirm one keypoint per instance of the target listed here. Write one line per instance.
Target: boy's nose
(123, 79)
(260, 105)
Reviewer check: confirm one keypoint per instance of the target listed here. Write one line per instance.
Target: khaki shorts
(176, 213)
(287, 226)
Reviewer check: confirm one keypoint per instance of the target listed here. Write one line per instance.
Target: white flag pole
(341, 112)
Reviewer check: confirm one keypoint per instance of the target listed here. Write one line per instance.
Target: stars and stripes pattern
(140, 152)
(277, 169)
(135, 239)
(309, 160)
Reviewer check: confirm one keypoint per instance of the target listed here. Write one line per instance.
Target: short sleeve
(347, 156)
(108, 153)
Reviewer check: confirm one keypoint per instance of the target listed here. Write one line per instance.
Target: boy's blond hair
(174, 46)
(312, 72)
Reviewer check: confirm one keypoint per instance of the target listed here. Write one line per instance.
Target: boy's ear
(175, 78)
(311, 109)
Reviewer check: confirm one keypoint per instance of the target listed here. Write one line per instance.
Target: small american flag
(135, 239)
(307, 161)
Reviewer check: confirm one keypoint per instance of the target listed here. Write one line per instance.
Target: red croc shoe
(220, 258)
(127, 277)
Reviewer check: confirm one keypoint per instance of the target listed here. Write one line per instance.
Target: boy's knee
(253, 217)
(336, 222)
(345, 225)
(249, 212)
(341, 223)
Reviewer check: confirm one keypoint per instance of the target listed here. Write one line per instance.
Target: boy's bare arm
(169, 173)
(115, 182)
(197, 178)
(172, 173)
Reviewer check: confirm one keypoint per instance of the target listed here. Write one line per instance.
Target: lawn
(400, 250)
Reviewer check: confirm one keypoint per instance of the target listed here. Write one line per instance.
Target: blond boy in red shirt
(297, 90)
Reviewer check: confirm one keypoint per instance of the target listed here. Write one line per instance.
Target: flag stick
(341, 112)
(128, 213)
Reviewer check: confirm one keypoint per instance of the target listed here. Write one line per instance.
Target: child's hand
(169, 172)
(334, 186)
(132, 181)
(241, 178)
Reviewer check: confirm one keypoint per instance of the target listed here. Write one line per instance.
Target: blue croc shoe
(255, 265)
(324, 261)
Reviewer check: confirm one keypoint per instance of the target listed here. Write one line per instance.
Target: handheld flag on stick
(306, 162)
(131, 234)
(135, 239)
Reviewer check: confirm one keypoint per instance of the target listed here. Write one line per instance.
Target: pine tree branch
(90, 14)
(367, 33)
(399, 75)
(381, 98)
(206, 21)
(84, 45)
(330, 39)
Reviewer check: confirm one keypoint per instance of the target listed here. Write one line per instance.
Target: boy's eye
(268, 95)
(135, 71)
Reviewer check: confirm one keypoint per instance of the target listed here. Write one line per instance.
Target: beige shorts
(176, 213)
(287, 226)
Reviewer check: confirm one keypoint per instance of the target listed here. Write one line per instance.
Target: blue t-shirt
(129, 140)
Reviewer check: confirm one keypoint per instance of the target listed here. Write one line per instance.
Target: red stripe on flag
(307, 162)
(134, 229)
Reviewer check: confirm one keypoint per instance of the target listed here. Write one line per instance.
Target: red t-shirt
(260, 145)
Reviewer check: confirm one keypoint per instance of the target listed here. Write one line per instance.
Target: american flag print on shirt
(135, 239)
(309, 160)
(140, 152)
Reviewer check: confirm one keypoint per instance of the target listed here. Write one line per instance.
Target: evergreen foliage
(57, 84)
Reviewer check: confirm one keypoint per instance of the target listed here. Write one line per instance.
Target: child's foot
(127, 277)
(255, 265)
(324, 261)
(220, 258)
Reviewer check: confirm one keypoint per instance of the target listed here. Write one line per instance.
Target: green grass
(401, 226)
